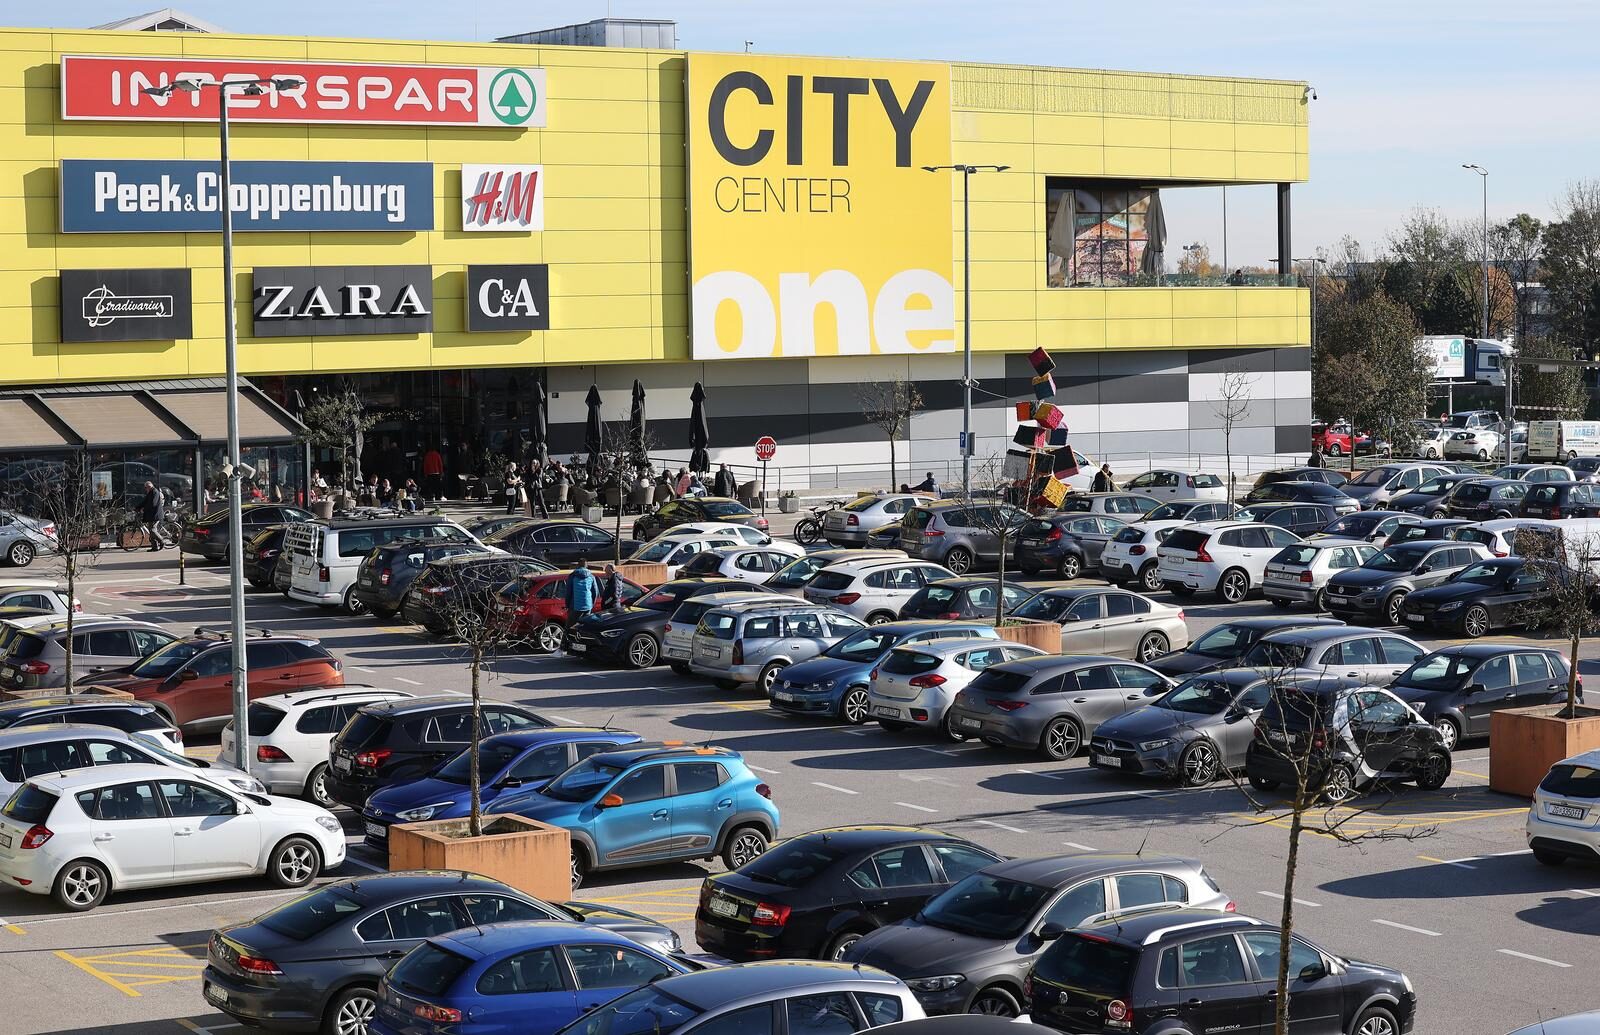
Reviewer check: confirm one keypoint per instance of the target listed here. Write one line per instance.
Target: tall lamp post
(966, 172)
(1483, 174)
(234, 469)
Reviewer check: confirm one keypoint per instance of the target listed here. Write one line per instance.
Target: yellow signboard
(814, 229)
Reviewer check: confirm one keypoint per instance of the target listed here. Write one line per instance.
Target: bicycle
(808, 530)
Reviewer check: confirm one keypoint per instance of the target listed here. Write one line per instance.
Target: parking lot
(1441, 888)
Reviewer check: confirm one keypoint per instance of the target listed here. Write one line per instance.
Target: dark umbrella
(539, 447)
(636, 426)
(699, 434)
(592, 440)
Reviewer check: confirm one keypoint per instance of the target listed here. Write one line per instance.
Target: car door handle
(1095, 625)
(287, 675)
(102, 838)
(725, 803)
(659, 814)
(1353, 673)
(392, 954)
(1509, 697)
(182, 833)
(1196, 1002)
(1135, 697)
(1079, 700)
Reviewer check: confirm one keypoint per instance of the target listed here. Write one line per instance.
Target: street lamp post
(1483, 174)
(235, 468)
(966, 172)
(1314, 260)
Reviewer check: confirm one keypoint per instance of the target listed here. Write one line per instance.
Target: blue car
(836, 681)
(527, 976)
(655, 803)
(508, 763)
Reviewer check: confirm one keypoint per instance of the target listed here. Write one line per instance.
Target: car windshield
(427, 970)
(168, 659)
(1436, 487)
(1486, 574)
(644, 1011)
(1201, 695)
(1376, 476)
(310, 915)
(1301, 554)
(797, 572)
(1046, 607)
(1438, 672)
(725, 509)
(1165, 512)
(1355, 524)
(793, 863)
(665, 598)
(1394, 559)
(985, 906)
(581, 782)
(659, 550)
(492, 757)
(1271, 654)
(866, 645)
(1225, 641)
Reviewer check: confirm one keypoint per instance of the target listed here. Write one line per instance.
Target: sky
(1408, 90)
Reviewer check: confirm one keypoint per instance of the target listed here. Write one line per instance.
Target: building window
(1104, 236)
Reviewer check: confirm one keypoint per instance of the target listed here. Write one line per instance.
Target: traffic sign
(766, 448)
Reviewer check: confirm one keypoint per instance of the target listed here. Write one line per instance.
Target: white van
(1563, 439)
(325, 555)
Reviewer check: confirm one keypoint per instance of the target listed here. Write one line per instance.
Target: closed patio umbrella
(539, 447)
(593, 439)
(699, 434)
(636, 448)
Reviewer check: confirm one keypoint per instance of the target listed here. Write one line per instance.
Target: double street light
(1483, 174)
(234, 469)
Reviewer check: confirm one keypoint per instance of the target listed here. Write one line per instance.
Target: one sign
(826, 156)
(1449, 356)
(112, 88)
(502, 197)
(126, 305)
(134, 195)
(766, 448)
(317, 301)
(508, 298)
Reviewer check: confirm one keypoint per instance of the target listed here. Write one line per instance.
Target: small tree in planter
(75, 524)
(990, 512)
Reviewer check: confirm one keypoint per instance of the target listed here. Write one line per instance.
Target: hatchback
(37, 595)
(677, 637)
(1376, 486)
(970, 597)
(914, 685)
(1065, 543)
(1303, 492)
(1457, 688)
(958, 534)
(36, 658)
(815, 895)
(655, 803)
(1537, 474)
(676, 551)
(1561, 825)
(261, 553)
(1191, 510)
(1373, 526)
(118, 713)
(1228, 559)
(535, 606)
(752, 564)
(291, 733)
(386, 574)
(872, 590)
(633, 634)
(1495, 593)
(22, 538)
(464, 589)
(1473, 444)
(1130, 555)
(1165, 486)
(1430, 498)
(1584, 468)
(1373, 657)
(1500, 536)
(1223, 645)
(1302, 519)
(1325, 475)
(1480, 499)
(560, 542)
(1299, 574)
(1377, 590)
(29, 751)
(1108, 621)
(753, 643)
(1129, 506)
(850, 524)
(792, 578)
(1557, 500)
(688, 509)
(1413, 528)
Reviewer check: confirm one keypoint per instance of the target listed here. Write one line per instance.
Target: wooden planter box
(79, 689)
(524, 853)
(1525, 742)
(648, 574)
(1044, 635)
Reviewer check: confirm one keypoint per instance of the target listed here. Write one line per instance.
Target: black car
(1412, 529)
(261, 555)
(1482, 499)
(395, 741)
(963, 597)
(313, 964)
(1225, 644)
(560, 541)
(814, 896)
(1494, 593)
(452, 587)
(1066, 543)
(1325, 475)
(1372, 526)
(1557, 500)
(1457, 688)
(208, 536)
(1587, 468)
(1343, 739)
(1303, 492)
(1302, 519)
(606, 636)
(1428, 499)
(389, 570)
(118, 713)
(690, 509)
(1187, 970)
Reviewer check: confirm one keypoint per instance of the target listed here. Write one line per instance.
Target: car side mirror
(511, 781)
(1422, 569)
(611, 801)
(1071, 618)
(1051, 931)
(1313, 972)
(188, 674)
(1477, 688)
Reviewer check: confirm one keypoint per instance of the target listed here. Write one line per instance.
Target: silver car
(958, 534)
(29, 751)
(1376, 486)
(1299, 574)
(792, 578)
(1370, 655)
(677, 640)
(36, 658)
(849, 525)
(915, 685)
(22, 538)
(1103, 620)
(752, 643)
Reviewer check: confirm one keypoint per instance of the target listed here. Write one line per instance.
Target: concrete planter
(648, 574)
(1044, 635)
(524, 853)
(789, 504)
(1525, 742)
(594, 515)
(323, 509)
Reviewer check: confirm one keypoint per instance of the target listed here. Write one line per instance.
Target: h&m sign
(319, 301)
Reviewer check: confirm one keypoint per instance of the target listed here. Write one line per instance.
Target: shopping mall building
(440, 225)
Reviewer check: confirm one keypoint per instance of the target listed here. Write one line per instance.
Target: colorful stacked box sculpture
(1042, 436)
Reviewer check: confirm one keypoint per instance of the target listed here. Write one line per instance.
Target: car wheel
(580, 867)
(1150, 577)
(350, 1012)
(1199, 764)
(744, 845)
(1375, 1020)
(1430, 453)
(769, 675)
(958, 560)
(551, 637)
(1439, 515)
(1475, 622)
(294, 863)
(679, 667)
(1394, 608)
(1545, 857)
(1334, 449)
(643, 651)
(1320, 601)
(995, 1002)
(840, 945)
(948, 730)
(853, 708)
(1234, 586)
(1261, 783)
(1435, 771)
(317, 787)
(1339, 785)
(21, 554)
(1280, 603)
(81, 885)
(1449, 735)
(1152, 647)
(1070, 567)
(1483, 454)
(879, 618)
(352, 604)
(1060, 740)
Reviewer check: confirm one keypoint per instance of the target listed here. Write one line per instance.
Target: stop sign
(766, 448)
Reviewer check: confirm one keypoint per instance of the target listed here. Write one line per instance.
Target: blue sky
(1409, 89)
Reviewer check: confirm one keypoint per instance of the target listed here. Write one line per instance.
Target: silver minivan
(738, 645)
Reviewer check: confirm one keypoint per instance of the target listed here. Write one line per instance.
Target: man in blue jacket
(582, 589)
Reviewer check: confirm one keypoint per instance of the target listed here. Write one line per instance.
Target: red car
(1336, 439)
(538, 604)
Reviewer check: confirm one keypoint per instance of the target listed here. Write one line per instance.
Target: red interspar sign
(766, 448)
(112, 88)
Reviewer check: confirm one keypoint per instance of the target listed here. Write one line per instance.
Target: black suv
(387, 572)
(1200, 971)
(395, 741)
(1343, 737)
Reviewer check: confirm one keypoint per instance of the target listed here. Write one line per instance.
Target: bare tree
(1231, 405)
(1561, 572)
(990, 510)
(75, 520)
(619, 460)
(889, 405)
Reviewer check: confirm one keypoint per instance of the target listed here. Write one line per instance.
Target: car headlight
(1153, 745)
(1451, 606)
(1407, 982)
(942, 983)
(329, 824)
(421, 812)
(613, 633)
(250, 785)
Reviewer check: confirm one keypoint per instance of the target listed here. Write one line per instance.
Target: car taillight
(322, 573)
(257, 965)
(764, 790)
(1055, 533)
(932, 531)
(931, 679)
(1501, 553)
(666, 629)
(872, 675)
(1305, 576)
(36, 836)
(436, 1014)
(1231, 907)
(268, 753)
(951, 614)
(383, 577)
(34, 668)
(847, 598)
(1009, 706)
(1137, 551)
(372, 759)
(705, 893)
(768, 915)
(852, 521)
(48, 530)
(761, 522)
(1200, 551)
(738, 653)
(1119, 1013)
(201, 533)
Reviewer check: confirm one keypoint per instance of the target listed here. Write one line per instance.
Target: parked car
(190, 680)
(1560, 825)
(324, 557)
(1493, 593)
(688, 508)
(386, 575)
(1375, 657)
(1376, 486)
(1228, 559)
(955, 534)
(849, 525)
(1164, 486)
(119, 713)
(208, 535)
(1430, 441)
(1584, 468)
(1377, 590)
(1065, 543)
(753, 564)
(29, 751)
(633, 635)
(22, 537)
(1303, 519)
(1129, 557)
(1484, 498)
(314, 963)
(1536, 474)
(873, 589)
(971, 948)
(484, 527)
(1191, 971)
(1223, 645)
(79, 835)
(1340, 440)
(915, 684)
(560, 541)
(261, 553)
(752, 643)
(1430, 499)
(36, 658)
(1474, 444)
(655, 803)
(885, 539)
(1459, 686)
(455, 589)
(535, 607)
(1051, 704)
(1303, 492)
(39, 596)
(1412, 529)
(968, 597)
(1557, 500)
(1103, 620)
(815, 895)
(677, 636)
(1190, 510)
(792, 578)
(1129, 506)
(1342, 739)
(676, 551)
(1325, 475)
(836, 682)
(1373, 526)
(1500, 536)
(1299, 574)
(291, 733)
(394, 741)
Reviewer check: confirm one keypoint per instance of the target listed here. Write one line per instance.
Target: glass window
(959, 861)
(613, 966)
(1356, 652)
(541, 764)
(803, 625)
(753, 1020)
(830, 1013)
(213, 663)
(193, 800)
(1119, 605)
(424, 918)
(1139, 889)
(1077, 905)
(1211, 961)
(880, 1009)
(1531, 668)
(503, 720)
(902, 867)
(1398, 652)
(494, 909)
(1377, 709)
(698, 777)
(1088, 608)
(111, 642)
(318, 720)
(448, 729)
(1264, 947)
(645, 784)
(129, 801)
(147, 642)
(840, 625)
(56, 757)
(1096, 677)
(105, 752)
(535, 971)
(1494, 674)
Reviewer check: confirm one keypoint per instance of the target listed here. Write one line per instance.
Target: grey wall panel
(1220, 361)
(1141, 388)
(1293, 411)
(1245, 441)
(1110, 442)
(1292, 438)
(1174, 361)
(1291, 359)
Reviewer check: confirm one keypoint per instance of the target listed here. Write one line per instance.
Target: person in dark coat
(1316, 455)
(611, 590)
(1103, 481)
(724, 484)
(151, 510)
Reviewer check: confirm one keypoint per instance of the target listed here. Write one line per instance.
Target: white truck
(1559, 440)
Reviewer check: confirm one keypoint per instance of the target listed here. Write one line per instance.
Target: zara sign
(508, 298)
(319, 301)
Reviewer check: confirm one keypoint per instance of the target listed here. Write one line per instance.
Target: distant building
(168, 19)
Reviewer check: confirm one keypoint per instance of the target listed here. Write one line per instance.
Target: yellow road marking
(119, 969)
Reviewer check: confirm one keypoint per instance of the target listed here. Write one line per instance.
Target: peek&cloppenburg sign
(112, 89)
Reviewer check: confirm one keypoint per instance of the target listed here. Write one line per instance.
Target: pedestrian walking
(151, 510)
(611, 590)
(433, 473)
(724, 483)
(1103, 482)
(581, 591)
(1316, 459)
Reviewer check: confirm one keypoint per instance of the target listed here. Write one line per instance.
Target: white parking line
(107, 914)
(1586, 891)
(358, 668)
(919, 808)
(364, 865)
(1047, 776)
(1298, 901)
(1002, 826)
(831, 787)
(1535, 959)
(1081, 848)
(403, 679)
(937, 751)
(762, 769)
(1407, 927)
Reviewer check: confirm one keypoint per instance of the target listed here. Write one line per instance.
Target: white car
(78, 836)
(1228, 558)
(675, 553)
(29, 751)
(1562, 824)
(873, 590)
(1472, 444)
(1498, 536)
(1299, 574)
(743, 533)
(1168, 485)
(752, 564)
(1537, 473)
(677, 639)
(1130, 556)
(915, 685)
(1430, 446)
(290, 734)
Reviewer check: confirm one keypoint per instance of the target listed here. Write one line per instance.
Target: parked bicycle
(808, 530)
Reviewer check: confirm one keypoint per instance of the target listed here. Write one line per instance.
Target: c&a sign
(508, 298)
(814, 230)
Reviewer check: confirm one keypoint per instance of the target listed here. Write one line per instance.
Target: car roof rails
(219, 632)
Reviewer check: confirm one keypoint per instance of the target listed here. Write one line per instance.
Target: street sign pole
(763, 488)
(766, 449)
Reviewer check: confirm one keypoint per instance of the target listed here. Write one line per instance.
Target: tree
(1558, 394)
(989, 510)
(1369, 367)
(339, 420)
(1196, 262)
(1567, 567)
(76, 521)
(889, 405)
(1571, 262)
(1516, 246)
(620, 450)
(1450, 308)
(1231, 405)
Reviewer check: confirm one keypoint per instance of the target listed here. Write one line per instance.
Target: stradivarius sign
(126, 305)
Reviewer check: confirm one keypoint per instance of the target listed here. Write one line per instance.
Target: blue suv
(655, 803)
(836, 681)
(508, 763)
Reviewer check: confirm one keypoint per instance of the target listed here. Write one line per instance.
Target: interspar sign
(159, 195)
(111, 88)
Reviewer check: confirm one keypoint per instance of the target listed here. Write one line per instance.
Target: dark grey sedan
(1377, 589)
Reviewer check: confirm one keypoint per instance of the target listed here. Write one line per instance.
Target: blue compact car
(655, 803)
(836, 681)
(508, 764)
(524, 976)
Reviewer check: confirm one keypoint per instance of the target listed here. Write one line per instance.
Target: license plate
(1412, 616)
(1565, 811)
(968, 724)
(5, 840)
(885, 710)
(216, 995)
(677, 652)
(342, 764)
(724, 907)
(576, 647)
(1107, 760)
(377, 830)
(710, 652)
(777, 696)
